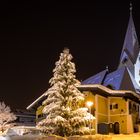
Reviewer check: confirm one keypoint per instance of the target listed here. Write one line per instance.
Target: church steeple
(131, 46)
(127, 75)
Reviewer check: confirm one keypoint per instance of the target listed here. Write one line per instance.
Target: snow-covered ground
(94, 137)
(28, 137)
(126, 137)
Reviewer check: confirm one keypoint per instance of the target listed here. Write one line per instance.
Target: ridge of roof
(110, 91)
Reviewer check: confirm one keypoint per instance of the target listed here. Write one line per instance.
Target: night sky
(33, 34)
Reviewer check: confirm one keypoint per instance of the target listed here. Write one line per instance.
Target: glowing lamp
(89, 103)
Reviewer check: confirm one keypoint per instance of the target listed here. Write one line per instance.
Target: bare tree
(6, 117)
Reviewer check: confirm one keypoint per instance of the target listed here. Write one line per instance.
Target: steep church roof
(96, 79)
(131, 46)
(114, 79)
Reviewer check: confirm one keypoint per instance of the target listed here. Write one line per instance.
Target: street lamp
(89, 104)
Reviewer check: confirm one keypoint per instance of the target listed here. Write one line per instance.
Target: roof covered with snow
(96, 79)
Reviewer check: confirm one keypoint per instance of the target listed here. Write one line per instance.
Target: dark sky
(32, 35)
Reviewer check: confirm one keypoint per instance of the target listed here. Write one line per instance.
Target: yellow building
(115, 95)
(116, 111)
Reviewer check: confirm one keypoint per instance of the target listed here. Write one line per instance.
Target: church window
(124, 60)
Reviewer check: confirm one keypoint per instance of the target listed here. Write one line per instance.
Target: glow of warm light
(89, 103)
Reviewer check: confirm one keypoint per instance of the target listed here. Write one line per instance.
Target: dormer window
(124, 60)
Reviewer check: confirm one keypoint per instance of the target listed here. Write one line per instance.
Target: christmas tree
(65, 115)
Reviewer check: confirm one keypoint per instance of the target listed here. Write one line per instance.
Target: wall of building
(39, 114)
(134, 111)
(102, 105)
(89, 96)
(118, 112)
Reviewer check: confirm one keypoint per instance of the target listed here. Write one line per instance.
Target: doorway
(116, 128)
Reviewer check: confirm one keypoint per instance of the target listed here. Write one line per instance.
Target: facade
(116, 95)
(24, 118)
(116, 111)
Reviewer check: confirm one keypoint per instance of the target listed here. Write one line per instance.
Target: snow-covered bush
(64, 114)
(6, 117)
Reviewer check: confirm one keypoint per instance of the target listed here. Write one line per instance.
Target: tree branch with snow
(65, 115)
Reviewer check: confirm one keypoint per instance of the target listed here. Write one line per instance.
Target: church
(115, 95)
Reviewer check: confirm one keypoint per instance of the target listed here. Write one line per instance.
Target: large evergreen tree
(64, 114)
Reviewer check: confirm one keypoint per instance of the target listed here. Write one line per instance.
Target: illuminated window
(113, 106)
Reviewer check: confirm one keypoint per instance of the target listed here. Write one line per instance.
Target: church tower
(130, 55)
